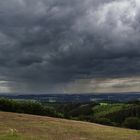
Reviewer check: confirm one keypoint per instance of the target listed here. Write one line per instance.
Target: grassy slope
(102, 110)
(30, 127)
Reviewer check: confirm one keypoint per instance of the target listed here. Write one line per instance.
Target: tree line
(29, 107)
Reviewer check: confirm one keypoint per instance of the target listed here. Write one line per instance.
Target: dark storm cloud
(51, 41)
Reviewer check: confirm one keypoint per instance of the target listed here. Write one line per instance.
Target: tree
(132, 122)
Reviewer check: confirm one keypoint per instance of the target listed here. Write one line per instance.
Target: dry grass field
(15, 126)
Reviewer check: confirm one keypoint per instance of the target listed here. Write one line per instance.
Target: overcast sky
(69, 46)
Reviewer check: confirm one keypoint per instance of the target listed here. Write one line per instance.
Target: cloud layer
(45, 44)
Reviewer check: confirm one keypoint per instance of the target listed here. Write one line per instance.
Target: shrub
(132, 122)
(104, 121)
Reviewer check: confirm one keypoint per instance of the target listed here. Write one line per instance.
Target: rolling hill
(15, 126)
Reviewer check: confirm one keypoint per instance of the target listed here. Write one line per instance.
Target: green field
(15, 126)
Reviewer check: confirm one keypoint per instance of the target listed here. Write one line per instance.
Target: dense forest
(113, 114)
(29, 107)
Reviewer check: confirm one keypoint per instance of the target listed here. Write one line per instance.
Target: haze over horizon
(69, 46)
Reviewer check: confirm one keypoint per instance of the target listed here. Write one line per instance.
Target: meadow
(14, 126)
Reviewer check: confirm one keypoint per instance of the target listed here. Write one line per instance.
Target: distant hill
(15, 126)
(84, 97)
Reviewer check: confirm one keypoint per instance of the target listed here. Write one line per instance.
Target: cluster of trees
(128, 116)
(29, 107)
(79, 111)
(120, 114)
(132, 122)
